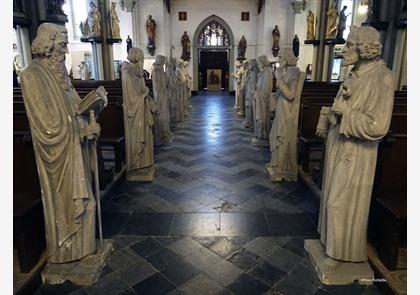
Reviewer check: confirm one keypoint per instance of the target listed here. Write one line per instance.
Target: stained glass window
(213, 34)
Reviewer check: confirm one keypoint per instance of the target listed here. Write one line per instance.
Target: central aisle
(211, 222)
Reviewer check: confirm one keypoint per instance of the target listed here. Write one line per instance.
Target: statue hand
(339, 106)
(321, 132)
(92, 131)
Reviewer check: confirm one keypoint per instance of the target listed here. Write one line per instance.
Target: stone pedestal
(346, 272)
(259, 142)
(84, 272)
(145, 175)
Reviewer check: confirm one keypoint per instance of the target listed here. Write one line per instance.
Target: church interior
(210, 147)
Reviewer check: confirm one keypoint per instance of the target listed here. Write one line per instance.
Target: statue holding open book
(64, 132)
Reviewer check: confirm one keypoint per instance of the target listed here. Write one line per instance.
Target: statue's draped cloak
(351, 151)
(250, 87)
(262, 103)
(138, 119)
(160, 94)
(283, 134)
(69, 205)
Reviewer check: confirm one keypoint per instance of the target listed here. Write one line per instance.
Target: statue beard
(57, 63)
(350, 58)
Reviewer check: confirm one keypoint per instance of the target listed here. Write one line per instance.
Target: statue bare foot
(329, 264)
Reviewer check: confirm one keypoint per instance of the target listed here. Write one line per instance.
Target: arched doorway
(213, 48)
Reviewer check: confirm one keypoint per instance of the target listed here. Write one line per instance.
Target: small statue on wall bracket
(151, 34)
(186, 47)
(242, 48)
(276, 39)
(296, 45)
(129, 43)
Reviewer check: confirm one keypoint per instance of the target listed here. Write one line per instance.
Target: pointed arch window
(214, 34)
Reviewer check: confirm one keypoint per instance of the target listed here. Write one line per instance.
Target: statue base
(146, 174)
(83, 272)
(259, 142)
(346, 273)
(276, 176)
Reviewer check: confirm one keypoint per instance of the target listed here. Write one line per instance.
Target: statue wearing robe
(241, 91)
(283, 134)
(139, 111)
(163, 134)
(59, 137)
(189, 84)
(186, 47)
(332, 16)
(342, 19)
(178, 85)
(242, 48)
(94, 20)
(354, 125)
(276, 40)
(115, 22)
(310, 22)
(262, 99)
(250, 88)
(238, 80)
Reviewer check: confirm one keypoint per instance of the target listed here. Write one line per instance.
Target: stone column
(107, 52)
(319, 52)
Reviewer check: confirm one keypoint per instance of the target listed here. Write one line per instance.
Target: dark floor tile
(243, 224)
(296, 245)
(162, 258)
(110, 284)
(196, 224)
(247, 285)
(167, 240)
(266, 273)
(226, 246)
(148, 224)
(156, 285)
(295, 197)
(168, 173)
(112, 223)
(180, 272)
(299, 224)
(146, 247)
(244, 259)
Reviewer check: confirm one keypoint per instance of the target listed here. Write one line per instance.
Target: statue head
(113, 5)
(245, 64)
(136, 56)
(287, 57)
(160, 60)
(253, 63)
(180, 63)
(263, 62)
(186, 64)
(238, 64)
(362, 44)
(51, 41)
(149, 17)
(92, 4)
(185, 33)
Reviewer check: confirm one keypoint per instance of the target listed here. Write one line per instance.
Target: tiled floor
(211, 222)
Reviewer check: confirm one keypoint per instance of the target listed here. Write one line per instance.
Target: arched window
(213, 34)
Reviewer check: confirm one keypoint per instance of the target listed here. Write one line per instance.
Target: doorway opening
(213, 69)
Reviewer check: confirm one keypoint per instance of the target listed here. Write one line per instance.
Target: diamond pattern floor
(211, 222)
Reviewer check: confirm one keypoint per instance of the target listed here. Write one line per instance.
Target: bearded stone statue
(353, 126)
(64, 132)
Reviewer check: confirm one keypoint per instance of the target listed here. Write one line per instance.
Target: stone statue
(173, 92)
(296, 46)
(139, 112)
(342, 23)
(310, 22)
(238, 80)
(94, 20)
(84, 71)
(163, 134)
(241, 90)
(262, 102)
(251, 80)
(242, 48)
(186, 47)
(151, 34)
(353, 127)
(115, 22)
(276, 40)
(189, 84)
(84, 28)
(332, 16)
(179, 93)
(129, 43)
(64, 133)
(283, 134)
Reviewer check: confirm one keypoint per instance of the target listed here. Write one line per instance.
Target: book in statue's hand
(95, 100)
